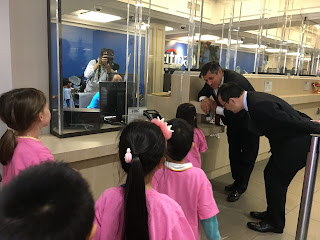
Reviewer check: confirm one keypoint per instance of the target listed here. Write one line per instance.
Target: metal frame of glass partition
(55, 58)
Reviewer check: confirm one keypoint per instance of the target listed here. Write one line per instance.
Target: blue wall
(80, 45)
(245, 60)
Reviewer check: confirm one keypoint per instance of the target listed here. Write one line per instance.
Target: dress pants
(283, 165)
(243, 151)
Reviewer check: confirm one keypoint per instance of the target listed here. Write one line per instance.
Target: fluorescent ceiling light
(143, 26)
(317, 26)
(275, 50)
(307, 59)
(168, 28)
(98, 17)
(293, 54)
(252, 46)
(225, 41)
(203, 38)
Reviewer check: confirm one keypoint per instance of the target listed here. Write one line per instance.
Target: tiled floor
(233, 217)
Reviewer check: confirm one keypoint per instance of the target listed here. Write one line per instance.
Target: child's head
(180, 143)
(67, 83)
(147, 144)
(21, 109)
(47, 201)
(187, 111)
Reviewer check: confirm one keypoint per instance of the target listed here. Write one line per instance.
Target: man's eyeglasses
(225, 103)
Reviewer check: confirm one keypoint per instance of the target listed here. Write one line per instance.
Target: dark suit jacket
(288, 130)
(229, 76)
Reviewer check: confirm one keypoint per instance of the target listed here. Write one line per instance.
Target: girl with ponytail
(135, 210)
(25, 111)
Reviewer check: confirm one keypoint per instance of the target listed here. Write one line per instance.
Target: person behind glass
(96, 98)
(47, 201)
(187, 111)
(98, 69)
(135, 210)
(26, 112)
(67, 95)
(243, 145)
(187, 185)
(288, 132)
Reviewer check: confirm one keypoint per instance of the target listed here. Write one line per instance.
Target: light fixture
(98, 17)
(317, 26)
(292, 54)
(252, 46)
(275, 50)
(307, 59)
(225, 41)
(203, 38)
(168, 28)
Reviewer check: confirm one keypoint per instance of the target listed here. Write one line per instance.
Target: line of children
(132, 211)
(47, 201)
(136, 210)
(26, 112)
(187, 185)
(187, 111)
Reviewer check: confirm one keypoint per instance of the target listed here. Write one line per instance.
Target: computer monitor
(113, 97)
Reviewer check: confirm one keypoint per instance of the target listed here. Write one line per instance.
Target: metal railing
(308, 189)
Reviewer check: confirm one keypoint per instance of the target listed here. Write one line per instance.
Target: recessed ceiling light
(225, 41)
(275, 50)
(293, 54)
(317, 26)
(168, 28)
(203, 38)
(252, 46)
(98, 17)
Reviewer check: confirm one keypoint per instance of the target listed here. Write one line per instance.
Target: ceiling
(71, 8)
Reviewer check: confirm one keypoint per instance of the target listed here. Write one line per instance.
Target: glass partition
(108, 55)
(97, 63)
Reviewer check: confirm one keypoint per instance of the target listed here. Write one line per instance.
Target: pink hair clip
(166, 130)
(128, 156)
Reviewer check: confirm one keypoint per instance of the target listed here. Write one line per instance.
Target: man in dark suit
(243, 144)
(288, 132)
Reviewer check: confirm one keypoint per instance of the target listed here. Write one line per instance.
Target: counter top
(80, 148)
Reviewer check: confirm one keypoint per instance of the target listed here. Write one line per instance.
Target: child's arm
(210, 226)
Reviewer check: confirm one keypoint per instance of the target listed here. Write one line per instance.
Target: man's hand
(208, 104)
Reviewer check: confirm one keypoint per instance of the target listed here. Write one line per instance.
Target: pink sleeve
(207, 206)
(98, 218)
(202, 141)
(182, 230)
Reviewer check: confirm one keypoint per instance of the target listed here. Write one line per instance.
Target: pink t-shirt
(166, 218)
(190, 187)
(28, 152)
(200, 146)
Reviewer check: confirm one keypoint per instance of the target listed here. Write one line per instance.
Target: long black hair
(147, 145)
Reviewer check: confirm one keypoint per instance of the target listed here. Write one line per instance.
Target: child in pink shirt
(135, 210)
(25, 111)
(187, 111)
(186, 184)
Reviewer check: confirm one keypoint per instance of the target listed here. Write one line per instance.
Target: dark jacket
(229, 76)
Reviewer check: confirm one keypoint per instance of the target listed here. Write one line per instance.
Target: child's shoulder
(162, 202)
(198, 131)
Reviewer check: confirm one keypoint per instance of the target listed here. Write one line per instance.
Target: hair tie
(166, 130)
(11, 129)
(128, 156)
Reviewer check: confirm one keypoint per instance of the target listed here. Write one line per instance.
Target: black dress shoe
(234, 196)
(259, 215)
(263, 227)
(230, 187)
